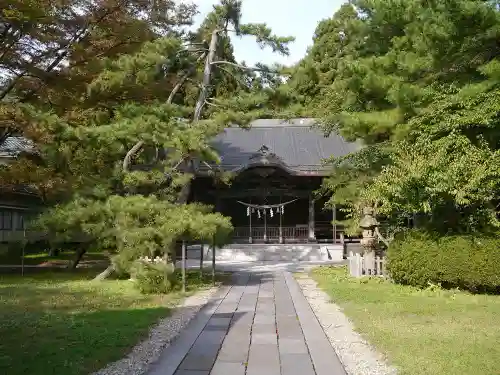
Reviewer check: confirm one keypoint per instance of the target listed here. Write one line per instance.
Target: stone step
(273, 253)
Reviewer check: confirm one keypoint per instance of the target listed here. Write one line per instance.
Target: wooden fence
(360, 266)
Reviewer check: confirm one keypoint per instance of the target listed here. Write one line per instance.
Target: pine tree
(124, 152)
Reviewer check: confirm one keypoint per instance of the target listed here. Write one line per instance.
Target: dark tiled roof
(300, 146)
(13, 146)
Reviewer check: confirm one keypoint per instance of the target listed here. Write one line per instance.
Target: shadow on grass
(63, 323)
(71, 344)
(44, 259)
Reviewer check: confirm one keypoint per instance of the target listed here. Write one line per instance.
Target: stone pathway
(261, 325)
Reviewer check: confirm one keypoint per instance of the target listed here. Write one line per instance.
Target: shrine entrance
(263, 226)
(270, 204)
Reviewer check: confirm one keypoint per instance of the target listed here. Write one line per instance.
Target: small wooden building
(19, 203)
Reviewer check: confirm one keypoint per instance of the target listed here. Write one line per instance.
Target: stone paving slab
(292, 346)
(172, 357)
(193, 372)
(228, 368)
(295, 364)
(324, 358)
(262, 325)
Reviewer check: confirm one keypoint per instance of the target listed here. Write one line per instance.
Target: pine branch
(60, 57)
(183, 79)
(382, 238)
(11, 85)
(214, 99)
(243, 67)
(212, 104)
(138, 146)
(237, 79)
(179, 163)
(186, 189)
(6, 31)
(63, 52)
(134, 150)
(265, 38)
(6, 133)
(204, 50)
(7, 48)
(105, 52)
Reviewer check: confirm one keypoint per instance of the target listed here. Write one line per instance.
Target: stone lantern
(369, 224)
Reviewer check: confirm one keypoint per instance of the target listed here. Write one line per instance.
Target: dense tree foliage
(124, 113)
(51, 51)
(417, 81)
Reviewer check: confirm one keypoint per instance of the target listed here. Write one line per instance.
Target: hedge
(470, 262)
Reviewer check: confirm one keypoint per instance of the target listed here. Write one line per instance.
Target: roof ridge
(268, 127)
(277, 123)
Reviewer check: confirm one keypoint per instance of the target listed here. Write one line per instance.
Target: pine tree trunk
(53, 252)
(207, 73)
(106, 273)
(78, 257)
(186, 189)
(200, 103)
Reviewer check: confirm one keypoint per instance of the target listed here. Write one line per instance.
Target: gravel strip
(356, 354)
(160, 337)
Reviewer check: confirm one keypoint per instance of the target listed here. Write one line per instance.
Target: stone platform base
(272, 253)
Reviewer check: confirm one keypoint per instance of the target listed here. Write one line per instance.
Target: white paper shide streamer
(273, 208)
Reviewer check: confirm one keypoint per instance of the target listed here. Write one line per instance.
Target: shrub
(123, 266)
(469, 262)
(154, 277)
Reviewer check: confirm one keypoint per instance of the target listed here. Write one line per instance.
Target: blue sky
(297, 18)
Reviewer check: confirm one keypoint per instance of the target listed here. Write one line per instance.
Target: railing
(360, 266)
(272, 233)
(34, 236)
(20, 235)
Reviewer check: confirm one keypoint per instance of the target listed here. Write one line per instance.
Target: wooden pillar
(312, 235)
(281, 222)
(281, 227)
(250, 239)
(265, 226)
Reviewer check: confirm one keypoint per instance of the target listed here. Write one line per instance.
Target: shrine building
(276, 166)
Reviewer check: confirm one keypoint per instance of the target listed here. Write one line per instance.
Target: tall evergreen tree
(416, 81)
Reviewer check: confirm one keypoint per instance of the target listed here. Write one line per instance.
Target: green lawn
(14, 257)
(64, 323)
(420, 331)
